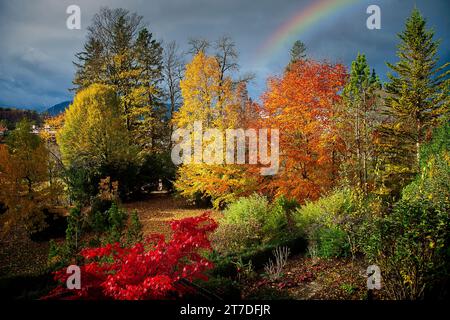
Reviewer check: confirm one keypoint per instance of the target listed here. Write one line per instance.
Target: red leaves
(148, 270)
(307, 276)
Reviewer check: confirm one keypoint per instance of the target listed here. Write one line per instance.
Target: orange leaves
(301, 105)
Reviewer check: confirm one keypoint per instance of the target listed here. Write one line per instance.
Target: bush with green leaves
(281, 216)
(106, 217)
(252, 221)
(58, 255)
(113, 225)
(412, 246)
(254, 207)
(334, 224)
(117, 221)
(74, 229)
(331, 242)
(134, 232)
(237, 237)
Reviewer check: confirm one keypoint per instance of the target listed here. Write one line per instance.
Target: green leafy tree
(90, 64)
(149, 125)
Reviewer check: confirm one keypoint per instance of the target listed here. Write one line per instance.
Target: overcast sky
(37, 49)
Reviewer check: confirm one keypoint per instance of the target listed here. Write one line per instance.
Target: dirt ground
(306, 278)
(156, 212)
(21, 256)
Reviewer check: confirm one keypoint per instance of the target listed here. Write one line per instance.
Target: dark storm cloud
(37, 49)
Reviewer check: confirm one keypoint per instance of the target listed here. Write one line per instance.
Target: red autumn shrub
(148, 270)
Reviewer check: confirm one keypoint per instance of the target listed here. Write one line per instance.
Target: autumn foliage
(25, 189)
(148, 270)
(301, 105)
(211, 97)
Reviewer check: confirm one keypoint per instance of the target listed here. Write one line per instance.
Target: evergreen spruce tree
(149, 131)
(91, 65)
(298, 51)
(417, 100)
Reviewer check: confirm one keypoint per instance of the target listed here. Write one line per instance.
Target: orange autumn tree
(301, 105)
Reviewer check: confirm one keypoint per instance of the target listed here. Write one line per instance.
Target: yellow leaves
(211, 98)
(207, 96)
(221, 183)
(432, 244)
(93, 131)
(407, 280)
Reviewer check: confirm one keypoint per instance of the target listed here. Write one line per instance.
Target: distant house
(47, 130)
(35, 129)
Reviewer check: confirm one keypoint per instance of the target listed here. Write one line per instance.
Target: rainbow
(298, 24)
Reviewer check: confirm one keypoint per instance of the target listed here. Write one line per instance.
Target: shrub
(342, 218)
(331, 242)
(250, 222)
(237, 237)
(73, 231)
(242, 224)
(414, 254)
(323, 212)
(116, 217)
(57, 255)
(320, 222)
(254, 207)
(134, 232)
(280, 217)
(412, 246)
(148, 270)
(98, 221)
(111, 221)
(98, 218)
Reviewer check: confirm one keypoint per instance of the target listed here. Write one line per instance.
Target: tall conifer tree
(417, 100)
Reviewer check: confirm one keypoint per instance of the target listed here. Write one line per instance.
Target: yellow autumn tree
(211, 98)
(94, 134)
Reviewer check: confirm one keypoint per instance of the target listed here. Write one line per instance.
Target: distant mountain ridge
(58, 108)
